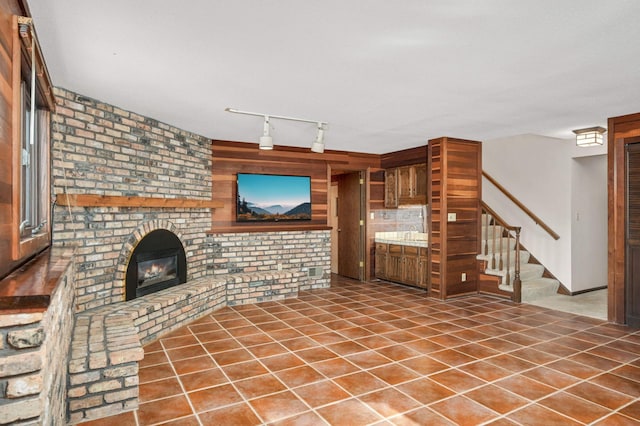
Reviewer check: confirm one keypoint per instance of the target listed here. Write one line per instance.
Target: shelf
(95, 200)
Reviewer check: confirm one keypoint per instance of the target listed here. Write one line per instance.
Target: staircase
(500, 252)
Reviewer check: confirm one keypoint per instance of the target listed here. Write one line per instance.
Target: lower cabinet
(402, 263)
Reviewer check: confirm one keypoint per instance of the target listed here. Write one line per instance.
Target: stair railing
(501, 259)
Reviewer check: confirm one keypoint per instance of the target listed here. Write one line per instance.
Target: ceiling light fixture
(593, 136)
(318, 144)
(266, 141)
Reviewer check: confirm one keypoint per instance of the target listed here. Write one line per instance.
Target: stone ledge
(107, 341)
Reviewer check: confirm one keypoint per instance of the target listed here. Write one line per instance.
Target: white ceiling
(386, 75)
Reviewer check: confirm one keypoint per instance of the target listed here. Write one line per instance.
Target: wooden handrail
(524, 208)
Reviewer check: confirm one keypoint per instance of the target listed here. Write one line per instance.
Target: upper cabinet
(406, 185)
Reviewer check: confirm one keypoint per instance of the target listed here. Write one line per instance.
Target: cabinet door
(420, 183)
(405, 183)
(394, 263)
(410, 265)
(423, 268)
(381, 261)
(391, 188)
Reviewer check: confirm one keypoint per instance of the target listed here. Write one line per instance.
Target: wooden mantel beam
(95, 200)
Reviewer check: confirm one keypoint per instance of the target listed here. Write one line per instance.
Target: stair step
(541, 287)
(528, 272)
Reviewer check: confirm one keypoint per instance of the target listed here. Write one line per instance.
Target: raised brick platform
(107, 341)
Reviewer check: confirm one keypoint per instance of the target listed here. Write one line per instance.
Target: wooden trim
(16, 178)
(94, 200)
(267, 228)
(524, 208)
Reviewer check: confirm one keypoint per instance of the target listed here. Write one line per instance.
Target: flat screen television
(272, 198)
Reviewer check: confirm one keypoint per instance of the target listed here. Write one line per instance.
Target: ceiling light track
(266, 141)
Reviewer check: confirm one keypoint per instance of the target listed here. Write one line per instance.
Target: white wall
(589, 222)
(556, 180)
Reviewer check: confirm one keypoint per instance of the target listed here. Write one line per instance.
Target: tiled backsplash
(409, 219)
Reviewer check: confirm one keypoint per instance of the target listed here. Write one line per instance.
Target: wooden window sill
(29, 288)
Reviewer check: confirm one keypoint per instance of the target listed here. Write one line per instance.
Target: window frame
(24, 243)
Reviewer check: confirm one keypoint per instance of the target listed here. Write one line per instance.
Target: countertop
(406, 238)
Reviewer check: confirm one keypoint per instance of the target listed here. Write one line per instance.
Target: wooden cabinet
(402, 263)
(391, 188)
(406, 185)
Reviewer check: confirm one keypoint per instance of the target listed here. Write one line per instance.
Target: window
(33, 99)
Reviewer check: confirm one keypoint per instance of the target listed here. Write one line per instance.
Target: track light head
(318, 144)
(266, 141)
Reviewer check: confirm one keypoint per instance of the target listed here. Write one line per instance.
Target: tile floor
(383, 354)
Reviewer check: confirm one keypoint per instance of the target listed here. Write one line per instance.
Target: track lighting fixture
(318, 144)
(266, 141)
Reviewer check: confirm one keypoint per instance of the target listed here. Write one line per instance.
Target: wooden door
(350, 230)
(335, 224)
(391, 188)
(632, 240)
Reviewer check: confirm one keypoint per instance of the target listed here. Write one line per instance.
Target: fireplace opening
(157, 262)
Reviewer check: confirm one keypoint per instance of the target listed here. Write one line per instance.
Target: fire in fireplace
(157, 262)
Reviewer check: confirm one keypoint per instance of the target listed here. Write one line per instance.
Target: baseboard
(587, 290)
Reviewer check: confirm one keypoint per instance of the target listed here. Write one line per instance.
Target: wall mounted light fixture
(592, 136)
(266, 141)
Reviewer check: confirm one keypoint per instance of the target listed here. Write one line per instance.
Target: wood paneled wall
(405, 157)
(231, 158)
(622, 131)
(8, 8)
(454, 175)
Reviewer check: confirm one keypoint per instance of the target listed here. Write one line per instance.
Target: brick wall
(264, 251)
(101, 149)
(33, 366)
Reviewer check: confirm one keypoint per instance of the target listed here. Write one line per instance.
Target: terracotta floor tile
(163, 410)
(278, 406)
(425, 391)
(531, 415)
(299, 376)
(335, 367)
(307, 418)
(632, 410)
(259, 386)
(232, 357)
(234, 323)
(457, 380)
(268, 349)
(124, 419)
(153, 358)
(153, 347)
(599, 395)
(421, 416)
(185, 352)
(243, 331)
(211, 336)
(477, 351)
(595, 361)
(299, 343)
(202, 379)
(557, 350)
(424, 346)
(389, 402)
(270, 327)
(534, 356)
(551, 377)
(348, 413)
(394, 374)
(574, 369)
(485, 371)
(159, 389)
(397, 352)
(321, 393)
(452, 357)
(216, 346)
(215, 397)
(375, 342)
(238, 414)
(614, 354)
(616, 419)
(282, 362)
(155, 372)
(359, 383)
(617, 383)
(312, 330)
(525, 387)
(368, 359)
(244, 370)
(176, 342)
(254, 339)
(628, 371)
(191, 365)
(347, 348)
(573, 407)
(500, 345)
(447, 340)
(496, 399)
(463, 411)
(316, 354)
(355, 332)
(424, 365)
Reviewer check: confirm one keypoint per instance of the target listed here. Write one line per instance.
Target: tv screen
(273, 198)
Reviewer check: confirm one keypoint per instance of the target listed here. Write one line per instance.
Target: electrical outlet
(464, 276)
(279, 266)
(451, 217)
